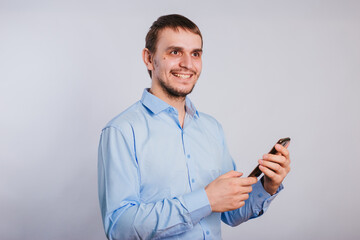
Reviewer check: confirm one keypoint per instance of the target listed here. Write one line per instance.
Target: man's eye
(196, 54)
(175, 52)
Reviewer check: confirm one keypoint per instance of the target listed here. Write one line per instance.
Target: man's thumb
(231, 174)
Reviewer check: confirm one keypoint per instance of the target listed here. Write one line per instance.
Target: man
(164, 168)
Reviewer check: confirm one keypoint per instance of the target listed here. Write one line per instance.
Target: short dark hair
(173, 21)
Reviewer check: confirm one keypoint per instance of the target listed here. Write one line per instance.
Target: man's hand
(229, 191)
(275, 168)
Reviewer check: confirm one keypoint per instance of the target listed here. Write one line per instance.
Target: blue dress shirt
(152, 174)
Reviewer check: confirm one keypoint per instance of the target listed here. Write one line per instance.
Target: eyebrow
(198, 50)
(181, 49)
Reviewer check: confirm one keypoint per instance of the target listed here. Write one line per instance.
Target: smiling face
(176, 64)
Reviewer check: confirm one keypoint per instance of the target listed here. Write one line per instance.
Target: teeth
(183, 76)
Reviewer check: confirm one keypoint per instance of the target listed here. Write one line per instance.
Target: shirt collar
(190, 108)
(156, 105)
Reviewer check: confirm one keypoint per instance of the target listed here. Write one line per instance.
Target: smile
(183, 76)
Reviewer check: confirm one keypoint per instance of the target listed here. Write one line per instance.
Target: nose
(186, 61)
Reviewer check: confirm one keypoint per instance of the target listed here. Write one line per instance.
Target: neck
(176, 102)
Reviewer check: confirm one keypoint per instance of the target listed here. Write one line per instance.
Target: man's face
(177, 62)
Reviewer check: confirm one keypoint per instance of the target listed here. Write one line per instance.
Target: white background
(271, 69)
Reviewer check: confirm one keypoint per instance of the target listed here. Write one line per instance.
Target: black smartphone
(257, 172)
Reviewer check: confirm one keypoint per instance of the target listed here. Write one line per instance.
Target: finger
(241, 204)
(269, 173)
(282, 150)
(275, 167)
(248, 190)
(243, 197)
(244, 189)
(231, 174)
(252, 180)
(241, 190)
(248, 181)
(282, 160)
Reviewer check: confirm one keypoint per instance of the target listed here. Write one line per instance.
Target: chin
(181, 92)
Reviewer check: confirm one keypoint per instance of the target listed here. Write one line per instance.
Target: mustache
(183, 70)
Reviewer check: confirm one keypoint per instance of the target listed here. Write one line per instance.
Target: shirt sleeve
(124, 215)
(258, 202)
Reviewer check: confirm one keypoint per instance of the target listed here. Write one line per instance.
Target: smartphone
(283, 141)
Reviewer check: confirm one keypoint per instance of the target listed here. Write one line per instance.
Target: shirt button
(207, 232)
(192, 180)
(188, 156)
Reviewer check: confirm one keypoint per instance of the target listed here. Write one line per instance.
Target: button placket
(189, 164)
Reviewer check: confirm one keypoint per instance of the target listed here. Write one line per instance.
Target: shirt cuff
(198, 205)
(262, 198)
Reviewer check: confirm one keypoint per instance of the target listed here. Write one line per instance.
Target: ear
(147, 58)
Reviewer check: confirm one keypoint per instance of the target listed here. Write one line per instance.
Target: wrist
(269, 187)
